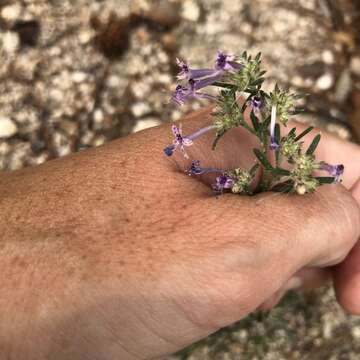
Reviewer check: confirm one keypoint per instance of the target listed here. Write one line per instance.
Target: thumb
(347, 274)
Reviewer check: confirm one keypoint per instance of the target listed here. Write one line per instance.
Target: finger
(333, 150)
(347, 274)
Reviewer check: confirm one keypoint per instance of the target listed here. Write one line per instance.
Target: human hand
(127, 257)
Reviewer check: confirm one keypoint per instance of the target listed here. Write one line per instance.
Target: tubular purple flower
(188, 73)
(222, 183)
(196, 169)
(184, 93)
(181, 141)
(256, 103)
(334, 170)
(226, 62)
(273, 144)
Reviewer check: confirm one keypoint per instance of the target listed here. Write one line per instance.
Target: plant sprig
(281, 162)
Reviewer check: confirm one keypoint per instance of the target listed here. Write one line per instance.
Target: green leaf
(263, 159)
(297, 111)
(277, 133)
(255, 121)
(305, 132)
(258, 56)
(254, 169)
(258, 82)
(313, 145)
(277, 139)
(284, 187)
(325, 179)
(217, 138)
(281, 172)
(224, 85)
(292, 132)
(265, 124)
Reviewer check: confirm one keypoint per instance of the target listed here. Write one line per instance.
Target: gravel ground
(76, 74)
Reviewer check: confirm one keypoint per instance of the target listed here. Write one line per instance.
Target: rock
(355, 65)
(85, 36)
(343, 86)
(328, 57)
(146, 124)
(169, 42)
(78, 77)
(191, 11)
(11, 13)
(355, 332)
(163, 13)
(10, 42)
(98, 116)
(325, 82)
(140, 109)
(25, 66)
(7, 127)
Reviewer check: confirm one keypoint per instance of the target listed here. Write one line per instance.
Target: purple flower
(179, 141)
(184, 93)
(256, 103)
(334, 170)
(182, 141)
(222, 183)
(188, 73)
(196, 169)
(273, 144)
(226, 62)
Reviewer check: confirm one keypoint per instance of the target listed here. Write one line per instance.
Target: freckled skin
(114, 253)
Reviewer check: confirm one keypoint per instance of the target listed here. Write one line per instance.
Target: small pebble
(343, 86)
(191, 11)
(355, 65)
(325, 82)
(11, 12)
(355, 332)
(7, 127)
(78, 77)
(140, 109)
(328, 57)
(11, 42)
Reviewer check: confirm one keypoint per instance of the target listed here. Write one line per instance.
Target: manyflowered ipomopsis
(281, 162)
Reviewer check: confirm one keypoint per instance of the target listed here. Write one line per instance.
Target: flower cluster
(282, 163)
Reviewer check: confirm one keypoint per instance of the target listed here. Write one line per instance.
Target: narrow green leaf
(305, 132)
(265, 124)
(281, 172)
(297, 111)
(258, 82)
(292, 132)
(325, 179)
(284, 187)
(255, 121)
(313, 145)
(258, 56)
(277, 133)
(224, 85)
(254, 169)
(217, 138)
(263, 159)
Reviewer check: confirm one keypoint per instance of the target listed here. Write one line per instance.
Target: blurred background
(76, 74)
